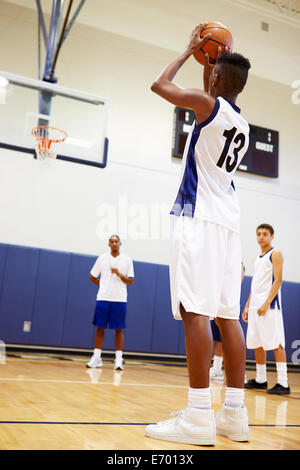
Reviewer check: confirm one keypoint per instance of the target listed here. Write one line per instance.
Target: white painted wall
(63, 207)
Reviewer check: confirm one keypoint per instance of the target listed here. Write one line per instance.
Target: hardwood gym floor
(54, 402)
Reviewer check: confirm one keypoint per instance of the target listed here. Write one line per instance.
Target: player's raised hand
(208, 65)
(208, 68)
(195, 41)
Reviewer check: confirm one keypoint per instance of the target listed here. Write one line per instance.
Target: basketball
(220, 37)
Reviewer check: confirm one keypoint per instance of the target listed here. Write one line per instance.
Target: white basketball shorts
(205, 268)
(265, 331)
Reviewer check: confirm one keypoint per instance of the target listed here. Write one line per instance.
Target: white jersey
(111, 287)
(262, 281)
(213, 151)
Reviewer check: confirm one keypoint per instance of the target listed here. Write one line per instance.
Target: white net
(43, 155)
(45, 137)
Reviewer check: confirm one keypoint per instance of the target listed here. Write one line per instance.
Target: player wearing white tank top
(205, 258)
(263, 312)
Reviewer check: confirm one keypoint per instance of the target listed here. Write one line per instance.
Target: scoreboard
(261, 157)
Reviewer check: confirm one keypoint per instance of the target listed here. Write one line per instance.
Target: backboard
(26, 103)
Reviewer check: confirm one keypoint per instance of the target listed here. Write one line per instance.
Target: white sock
(261, 373)
(199, 398)
(118, 355)
(97, 353)
(234, 397)
(282, 378)
(217, 363)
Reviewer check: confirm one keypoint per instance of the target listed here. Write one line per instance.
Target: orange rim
(37, 136)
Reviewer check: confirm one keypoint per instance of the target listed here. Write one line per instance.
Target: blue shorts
(215, 331)
(110, 314)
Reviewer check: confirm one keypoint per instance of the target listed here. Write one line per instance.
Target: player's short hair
(267, 227)
(232, 68)
(114, 236)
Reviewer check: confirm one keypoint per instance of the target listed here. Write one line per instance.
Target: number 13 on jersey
(239, 140)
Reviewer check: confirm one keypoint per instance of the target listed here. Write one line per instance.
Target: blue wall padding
(52, 290)
(165, 335)
(246, 286)
(50, 298)
(18, 293)
(181, 340)
(291, 315)
(140, 307)
(80, 305)
(3, 253)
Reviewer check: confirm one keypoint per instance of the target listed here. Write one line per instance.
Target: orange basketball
(220, 37)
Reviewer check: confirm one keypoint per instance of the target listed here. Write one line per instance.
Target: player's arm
(95, 280)
(96, 272)
(200, 101)
(126, 279)
(246, 309)
(277, 261)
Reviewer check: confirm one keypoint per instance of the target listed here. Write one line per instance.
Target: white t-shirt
(111, 287)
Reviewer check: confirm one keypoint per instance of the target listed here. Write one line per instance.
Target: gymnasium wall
(52, 291)
(74, 208)
(117, 52)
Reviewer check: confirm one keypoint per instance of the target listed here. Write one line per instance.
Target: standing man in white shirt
(116, 272)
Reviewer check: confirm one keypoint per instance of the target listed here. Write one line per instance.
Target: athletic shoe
(233, 423)
(189, 426)
(279, 390)
(119, 364)
(215, 374)
(95, 362)
(253, 384)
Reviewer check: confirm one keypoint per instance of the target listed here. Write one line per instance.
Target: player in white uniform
(263, 312)
(116, 272)
(205, 267)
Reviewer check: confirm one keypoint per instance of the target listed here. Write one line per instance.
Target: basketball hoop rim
(39, 137)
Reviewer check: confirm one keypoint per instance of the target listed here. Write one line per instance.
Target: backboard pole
(52, 69)
(53, 38)
(45, 97)
(41, 21)
(54, 41)
(72, 20)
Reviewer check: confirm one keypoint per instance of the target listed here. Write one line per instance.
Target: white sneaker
(95, 362)
(189, 426)
(119, 364)
(215, 374)
(233, 423)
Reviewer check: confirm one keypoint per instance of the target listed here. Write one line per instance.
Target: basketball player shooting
(205, 267)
